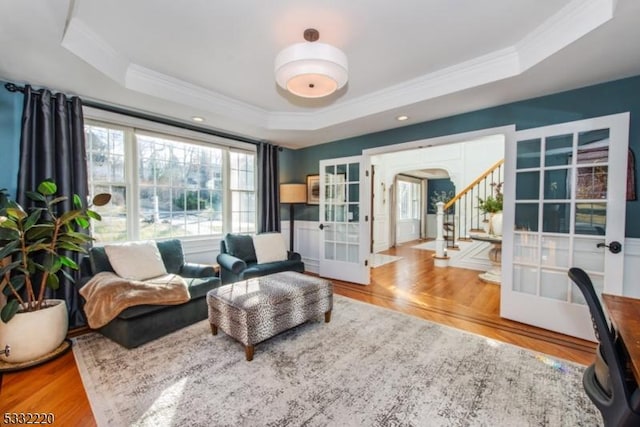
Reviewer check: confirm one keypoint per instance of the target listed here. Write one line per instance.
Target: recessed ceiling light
(197, 119)
(402, 118)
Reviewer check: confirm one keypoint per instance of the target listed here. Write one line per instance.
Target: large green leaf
(71, 247)
(52, 263)
(40, 231)
(17, 282)
(68, 262)
(33, 219)
(94, 215)
(9, 310)
(8, 267)
(57, 200)
(77, 201)
(9, 226)
(16, 213)
(69, 216)
(36, 196)
(53, 282)
(9, 248)
(75, 237)
(82, 222)
(47, 187)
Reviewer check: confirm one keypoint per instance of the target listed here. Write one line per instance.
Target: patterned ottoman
(256, 309)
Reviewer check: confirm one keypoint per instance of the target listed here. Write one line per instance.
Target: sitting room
(199, 220)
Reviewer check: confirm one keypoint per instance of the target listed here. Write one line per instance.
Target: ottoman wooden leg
(327, 317)
(248, 352)
(214, 329)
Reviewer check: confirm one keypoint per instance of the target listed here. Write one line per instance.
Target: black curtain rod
(11, 87)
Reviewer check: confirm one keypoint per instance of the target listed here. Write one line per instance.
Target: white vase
(496, 223)
(35, 333)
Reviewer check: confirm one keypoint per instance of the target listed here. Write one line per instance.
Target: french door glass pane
(525, 247)
(587, 255)
(525, 279)
(557, 184)
(528, 185)
(555, 251)
(591, 218)
(526, 218)
(555, 217)
(554, 284)
(528, 154)
(558, 150)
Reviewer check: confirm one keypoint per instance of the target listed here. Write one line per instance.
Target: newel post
(440, 259)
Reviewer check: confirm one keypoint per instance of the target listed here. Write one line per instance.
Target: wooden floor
(450, 296)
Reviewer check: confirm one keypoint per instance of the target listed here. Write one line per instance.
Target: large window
(408, 200)
(165, 186)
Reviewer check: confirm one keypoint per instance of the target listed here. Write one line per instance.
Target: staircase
(461, 213)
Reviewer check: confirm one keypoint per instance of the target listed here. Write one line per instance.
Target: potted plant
(36, 244)
(493, 206)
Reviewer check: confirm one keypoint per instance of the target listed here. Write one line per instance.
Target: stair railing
(461, 213)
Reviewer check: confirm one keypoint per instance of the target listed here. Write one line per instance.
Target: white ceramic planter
(35, 333)
(496, 223)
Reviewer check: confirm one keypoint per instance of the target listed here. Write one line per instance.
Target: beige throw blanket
(108, 294)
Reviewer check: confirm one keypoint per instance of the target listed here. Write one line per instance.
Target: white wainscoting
(407, 230)
(202, 251)
(307, 243)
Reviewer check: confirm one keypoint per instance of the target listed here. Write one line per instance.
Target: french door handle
(321, 226)
(614, 247)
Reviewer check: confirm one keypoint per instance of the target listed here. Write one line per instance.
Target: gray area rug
(369, 367)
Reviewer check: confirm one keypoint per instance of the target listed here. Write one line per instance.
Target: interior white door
(565, 188)
(344, 225)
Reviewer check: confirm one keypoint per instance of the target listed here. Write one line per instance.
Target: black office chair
(608, 383)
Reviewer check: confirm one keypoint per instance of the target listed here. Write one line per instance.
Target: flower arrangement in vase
(493, 206)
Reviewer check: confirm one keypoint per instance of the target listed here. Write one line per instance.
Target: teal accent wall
(599, 100)
(10, 118)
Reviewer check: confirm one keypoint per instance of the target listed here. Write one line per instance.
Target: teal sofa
(237, 260)
(143, 323)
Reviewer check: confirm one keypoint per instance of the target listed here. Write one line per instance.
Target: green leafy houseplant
(493, 203)
(37, 242)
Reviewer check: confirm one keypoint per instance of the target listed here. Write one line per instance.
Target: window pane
(106, 174)
(180, 185)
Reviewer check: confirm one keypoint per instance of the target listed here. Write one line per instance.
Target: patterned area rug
(369, 367)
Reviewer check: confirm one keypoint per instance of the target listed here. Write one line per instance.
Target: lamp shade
(293, 193)
(311, 70)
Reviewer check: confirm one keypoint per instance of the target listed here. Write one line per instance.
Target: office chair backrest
(621, 400)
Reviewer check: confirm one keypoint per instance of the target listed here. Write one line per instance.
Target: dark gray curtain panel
(268, 188)
(52, 146)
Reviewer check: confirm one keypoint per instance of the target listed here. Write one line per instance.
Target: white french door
(344, 225)
(565, 188)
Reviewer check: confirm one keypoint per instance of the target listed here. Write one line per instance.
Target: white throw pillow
(270, 247)
(136, 260)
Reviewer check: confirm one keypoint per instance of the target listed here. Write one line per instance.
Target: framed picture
(313, 189)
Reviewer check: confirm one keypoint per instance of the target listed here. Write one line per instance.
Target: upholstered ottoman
(256, 309)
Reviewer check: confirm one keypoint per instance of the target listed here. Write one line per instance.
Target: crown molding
(80, 40)
(150, 82)
(569, 24)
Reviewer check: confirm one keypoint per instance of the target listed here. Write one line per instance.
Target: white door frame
(508, 131)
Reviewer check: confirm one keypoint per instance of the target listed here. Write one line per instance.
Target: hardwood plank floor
(450, 296)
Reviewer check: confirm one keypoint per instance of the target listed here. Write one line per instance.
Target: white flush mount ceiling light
(311, 69)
